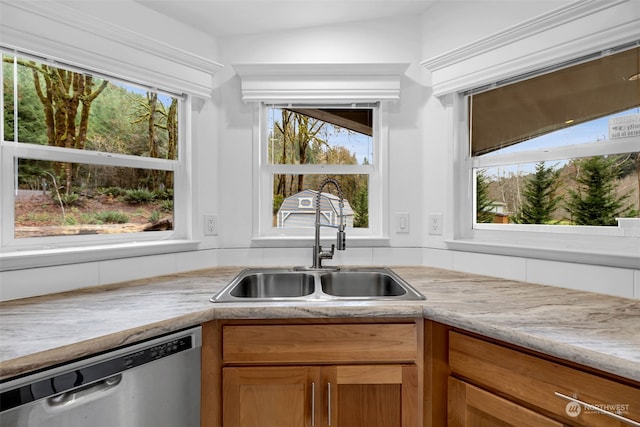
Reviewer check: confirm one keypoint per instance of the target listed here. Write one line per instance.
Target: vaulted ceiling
(222, 18)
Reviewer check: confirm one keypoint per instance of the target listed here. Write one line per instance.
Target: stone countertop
(598, 331)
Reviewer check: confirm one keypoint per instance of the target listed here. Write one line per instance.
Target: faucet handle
(323, 254)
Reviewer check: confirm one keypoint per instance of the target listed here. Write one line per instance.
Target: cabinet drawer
(534, 381)
(334, 343)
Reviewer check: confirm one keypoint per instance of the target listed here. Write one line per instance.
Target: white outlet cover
(211, 225)
(434, 224)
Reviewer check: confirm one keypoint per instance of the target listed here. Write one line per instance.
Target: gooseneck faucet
(318, 253)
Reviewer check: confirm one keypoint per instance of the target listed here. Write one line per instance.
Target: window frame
(263, 231)
(12, 249)
(598, 245)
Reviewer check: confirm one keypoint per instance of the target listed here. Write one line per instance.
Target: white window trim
(65, 34)
(264, 234)
(573, 30)
(321, 84)
(600, 148)
(55, 250)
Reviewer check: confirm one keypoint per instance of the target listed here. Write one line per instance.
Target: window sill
(307, 242)
(624, 257)
(34, 258)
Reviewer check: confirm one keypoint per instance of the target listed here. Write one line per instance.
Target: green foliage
(166, 206)
(31, 123)
(111, 191)
(112, 109)
(483, 202)
(155, 216)
(360, 205)
(110, 217)
(278, 199)
(164, 194)
(540, 196)
(138, 196)
(68, 199)
(70, 220)
(595, 201)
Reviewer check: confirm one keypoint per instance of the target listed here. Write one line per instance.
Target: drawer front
(320, 343)
(535, 381)
(473, 406)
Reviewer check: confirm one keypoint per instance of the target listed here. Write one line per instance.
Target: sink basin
(361, 284)
(270, 284)
(267, 285)
(273, 285)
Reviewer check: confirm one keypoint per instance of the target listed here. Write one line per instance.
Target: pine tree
(540, 199)
(596, 202)
(483, 203)
(360, 206)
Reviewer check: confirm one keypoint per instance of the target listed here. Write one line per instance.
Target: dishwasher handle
(80, 394)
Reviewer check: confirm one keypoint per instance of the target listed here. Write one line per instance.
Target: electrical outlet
(210, 225)
(435, 224)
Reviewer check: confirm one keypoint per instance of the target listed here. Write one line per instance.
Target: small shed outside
(299, 210)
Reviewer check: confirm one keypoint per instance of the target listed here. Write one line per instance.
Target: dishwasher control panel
(156, 352)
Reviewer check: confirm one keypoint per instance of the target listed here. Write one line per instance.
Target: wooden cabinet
(352, 374)
(473, 406)
(270, 396)
(354, 396)
(492, 384)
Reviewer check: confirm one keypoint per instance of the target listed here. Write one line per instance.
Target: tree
(152, 111)
(483, 202)
(64, 95)
(295, 142)
(540, 196)
(360, 207)
(595, 201)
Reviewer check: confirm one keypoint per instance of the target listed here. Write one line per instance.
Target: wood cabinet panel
(471, 406)
(369, 374)
(534, 381)
(376, 395)
(343, 343)
(274, 396)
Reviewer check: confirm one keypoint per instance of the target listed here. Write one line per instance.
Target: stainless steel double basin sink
(282, 284)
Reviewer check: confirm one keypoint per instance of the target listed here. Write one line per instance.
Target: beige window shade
(520, 111)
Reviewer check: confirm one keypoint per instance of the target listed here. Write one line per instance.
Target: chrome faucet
(318, 253)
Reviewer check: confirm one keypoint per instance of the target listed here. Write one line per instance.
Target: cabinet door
(371, 396)
(471, 406)
(269, 396)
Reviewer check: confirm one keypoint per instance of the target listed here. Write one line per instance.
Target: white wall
(393, 41)
(420, 160)
(448, 26)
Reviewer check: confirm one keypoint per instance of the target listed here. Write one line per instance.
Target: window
(86, 157)
(559, 151)
(301, 145)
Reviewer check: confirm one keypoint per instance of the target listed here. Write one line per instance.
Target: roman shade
(520, 111)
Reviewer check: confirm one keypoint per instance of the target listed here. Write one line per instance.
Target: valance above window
(324, 83)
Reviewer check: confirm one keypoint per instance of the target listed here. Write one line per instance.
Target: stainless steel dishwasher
(155, 383)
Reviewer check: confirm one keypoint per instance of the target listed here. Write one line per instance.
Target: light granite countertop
(598, 331)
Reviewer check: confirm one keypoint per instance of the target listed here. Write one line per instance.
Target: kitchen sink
(273, 285)
(361, 284)
(280, 284)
